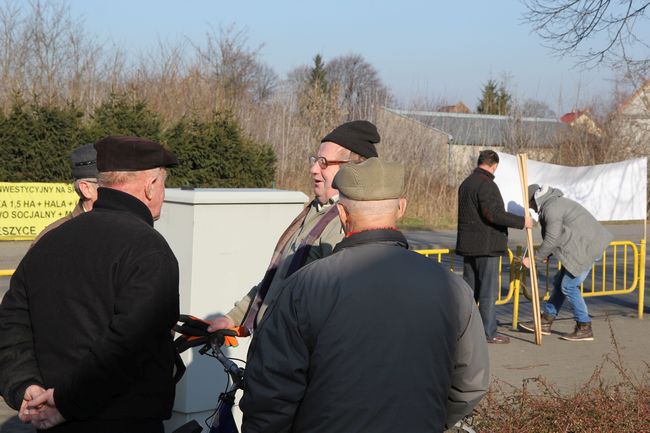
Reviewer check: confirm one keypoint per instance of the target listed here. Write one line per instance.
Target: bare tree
(230, 64)
(534, 108)
(47, 56)
(359, 85)
(264, 84)
(594, 30)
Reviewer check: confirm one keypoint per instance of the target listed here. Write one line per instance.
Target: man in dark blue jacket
(85, 328)
(331, 355)
(483, 237)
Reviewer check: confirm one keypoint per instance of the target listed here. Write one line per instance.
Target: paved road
(566, 365)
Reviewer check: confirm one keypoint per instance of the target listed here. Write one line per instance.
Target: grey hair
(77, 189)
(372, 207)
(110, 178)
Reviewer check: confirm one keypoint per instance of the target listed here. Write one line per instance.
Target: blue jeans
(482, 275)
(566, 285)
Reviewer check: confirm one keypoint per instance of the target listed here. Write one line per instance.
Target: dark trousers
(482, 275)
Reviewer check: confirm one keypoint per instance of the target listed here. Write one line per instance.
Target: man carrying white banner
(577, 240)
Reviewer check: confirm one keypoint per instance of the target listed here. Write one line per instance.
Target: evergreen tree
(215, 154)
(495, 99)
(504, 101)
(318, 101)
(488, 102)
(121, 116)
(318, 75)
(36, 142)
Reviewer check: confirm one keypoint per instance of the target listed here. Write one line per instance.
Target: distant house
(581, 119)
(471, 133)
(631, 121)
(457, 108)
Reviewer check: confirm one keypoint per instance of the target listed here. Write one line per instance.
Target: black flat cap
(359, 136)
(124, 153)
(83, 162)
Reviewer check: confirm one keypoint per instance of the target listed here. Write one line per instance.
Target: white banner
(611, 192)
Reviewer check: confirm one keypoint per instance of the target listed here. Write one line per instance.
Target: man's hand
(528, 222)
(221, 322)
(42, 410)
(32, 391)
(526, 262)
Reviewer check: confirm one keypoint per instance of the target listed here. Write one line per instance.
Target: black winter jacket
(374, 338)
(482, 220)
(89, 313)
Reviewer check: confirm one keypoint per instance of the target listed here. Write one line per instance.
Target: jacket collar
(114, 200)
(388, 236)
(322, 208)
(484, 172)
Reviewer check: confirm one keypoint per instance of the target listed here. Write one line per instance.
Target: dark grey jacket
(569, 231)
(374, 338)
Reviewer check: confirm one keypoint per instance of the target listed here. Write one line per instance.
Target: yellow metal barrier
(518, 276)
(436, 252)
(598, 285)
(620, 283)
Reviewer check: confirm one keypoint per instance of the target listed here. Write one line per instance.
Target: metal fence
(620, 271)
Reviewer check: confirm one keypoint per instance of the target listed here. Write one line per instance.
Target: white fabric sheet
(611, 192)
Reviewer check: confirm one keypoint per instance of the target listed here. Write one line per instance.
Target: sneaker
(582, 332)
(498, 339)
(547, 321)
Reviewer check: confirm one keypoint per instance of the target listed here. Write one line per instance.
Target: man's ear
(401, 208)
(88, 191)
(343, 214)
(148, 187)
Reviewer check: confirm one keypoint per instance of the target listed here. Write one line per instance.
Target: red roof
(572, 116)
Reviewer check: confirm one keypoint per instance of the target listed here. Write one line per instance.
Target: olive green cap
(373, 179)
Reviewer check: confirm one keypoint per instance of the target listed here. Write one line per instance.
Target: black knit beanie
(359, 136)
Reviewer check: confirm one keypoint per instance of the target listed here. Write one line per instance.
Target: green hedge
(214, 154)
(36, 141)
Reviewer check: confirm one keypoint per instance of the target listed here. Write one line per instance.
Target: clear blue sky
(432, 49)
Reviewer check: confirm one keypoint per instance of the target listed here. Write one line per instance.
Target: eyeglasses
(323, 163)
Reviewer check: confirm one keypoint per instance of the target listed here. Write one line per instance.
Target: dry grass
(599, 406)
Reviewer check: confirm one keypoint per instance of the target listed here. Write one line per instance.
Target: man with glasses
(315, 232)
(83, 163)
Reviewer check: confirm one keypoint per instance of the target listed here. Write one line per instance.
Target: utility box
(223, 240)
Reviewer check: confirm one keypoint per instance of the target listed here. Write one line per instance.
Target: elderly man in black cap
(85, 338)
(325, 357)
(315, 232)
(83, 163)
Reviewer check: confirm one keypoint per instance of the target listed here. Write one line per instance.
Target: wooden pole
(522, 162)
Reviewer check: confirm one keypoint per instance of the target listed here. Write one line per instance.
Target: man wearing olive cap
(315, 232)
(83, 163)
(85, 341)
(331, 356)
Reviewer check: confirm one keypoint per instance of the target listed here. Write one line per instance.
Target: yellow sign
(27, 208)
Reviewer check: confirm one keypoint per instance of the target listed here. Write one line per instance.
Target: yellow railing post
(515, 303)
(641, 286)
